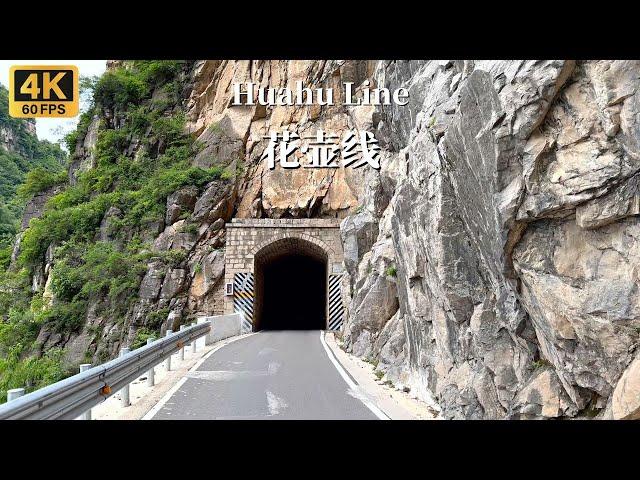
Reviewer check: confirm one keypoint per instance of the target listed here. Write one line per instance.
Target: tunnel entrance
(291, 286)
(294, 294)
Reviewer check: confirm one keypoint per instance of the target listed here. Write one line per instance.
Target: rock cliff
(511, 223)
(492, 261)
(184, 273)
(21, 152)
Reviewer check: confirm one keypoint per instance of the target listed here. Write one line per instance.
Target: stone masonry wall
(246, 237)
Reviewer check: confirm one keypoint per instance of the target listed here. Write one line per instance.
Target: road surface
(268, 375)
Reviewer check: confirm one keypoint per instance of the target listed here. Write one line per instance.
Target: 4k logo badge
(43, 91)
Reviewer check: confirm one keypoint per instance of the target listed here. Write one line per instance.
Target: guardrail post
(206, 340)
(182, 327)
(168, 360)
(86, 415)
(193, 344)
(124, 393)
(151, 374)
(14, 393)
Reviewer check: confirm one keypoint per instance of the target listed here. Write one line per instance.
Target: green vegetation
(38, 180)
(379, 374)
(391, 272)
(540, 363)
(8, 229)
(137, 186)
(141, 337)
(234, 170)
(190, 228)
(96, 271)
(373, 361)
(123, 87)
(173, 258)
(29, 168)
(32, 152)
(5, 256)
(155, 319)
(227, 174)
(71, 138)
(27, 154)
(31, 373)
(105, 275)
(119, 88)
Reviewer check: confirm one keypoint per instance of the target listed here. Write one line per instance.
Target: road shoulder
(397, 405)
(143, 398)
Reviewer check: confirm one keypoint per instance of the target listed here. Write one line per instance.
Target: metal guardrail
(73, 396)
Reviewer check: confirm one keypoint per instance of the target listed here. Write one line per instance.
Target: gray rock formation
(513, 220)
(35, 206)
(180, 203)
(493, 259)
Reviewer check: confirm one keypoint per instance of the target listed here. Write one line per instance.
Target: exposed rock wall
(492, 261)
(10, 136)
(193, 226)
(236, 135)
(513, 199)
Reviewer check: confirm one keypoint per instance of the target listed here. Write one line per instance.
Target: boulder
(543, 397)
(358, 233)
(625, 402)
(105, 234)
(179, 203)
(174, 237)
(578, 287)
(152, 282)
(173, 283)
(216, 202)
(211, 270)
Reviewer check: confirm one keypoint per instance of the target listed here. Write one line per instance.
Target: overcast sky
(53, 129)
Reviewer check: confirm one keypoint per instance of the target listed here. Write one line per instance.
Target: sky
(54, 129)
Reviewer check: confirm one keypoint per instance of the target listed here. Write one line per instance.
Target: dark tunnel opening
(291, 289)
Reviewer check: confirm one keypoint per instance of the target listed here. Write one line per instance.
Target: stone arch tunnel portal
(284, 274)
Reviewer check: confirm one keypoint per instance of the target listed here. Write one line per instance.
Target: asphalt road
(268, 375)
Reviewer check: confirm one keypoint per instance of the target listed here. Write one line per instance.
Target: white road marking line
(275, 403)
(224, 375)
(267, 351)
(158, 406)
(355, 390)
(227, 375)
(151, 413)
(273, 368)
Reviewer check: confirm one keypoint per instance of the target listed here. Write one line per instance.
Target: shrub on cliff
(39, 180)
(123, 87)
(78, 222)
(88, 273)
(119, 88)
(32, 373)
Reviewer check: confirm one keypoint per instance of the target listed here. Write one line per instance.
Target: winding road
(289, 375)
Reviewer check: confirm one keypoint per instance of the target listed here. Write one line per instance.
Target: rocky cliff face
(511, 221)
(20, 153)
(237, 135)
(234, 138)
(192, 231)
(10, 136)
(492, 261)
